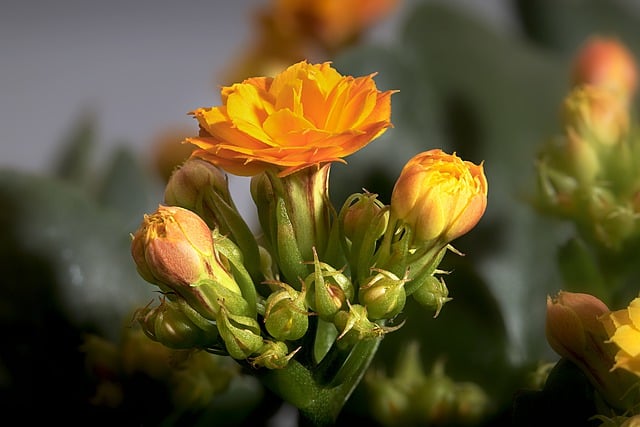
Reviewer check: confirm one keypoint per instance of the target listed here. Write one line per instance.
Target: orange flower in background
(606, 62)
(330, 23)
(440, 196)
(623, 328)
(307, 115)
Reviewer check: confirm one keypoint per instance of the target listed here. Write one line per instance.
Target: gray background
(138, 66)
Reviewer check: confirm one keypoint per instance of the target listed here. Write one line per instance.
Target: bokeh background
(483, 77)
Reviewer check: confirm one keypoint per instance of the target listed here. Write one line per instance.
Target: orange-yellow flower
(440, 196)
(575, 330)
(623, 328)
(307, 115)
(606, 62)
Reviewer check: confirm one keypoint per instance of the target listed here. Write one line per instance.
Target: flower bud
(595, 114)
(605, 62)
(383, 295)
(432, 294)
(355, 326)
(388, 399)
(574, 331)
(169, 325)
(174, 249)
(286, 317)
(327, 290)
(241, 334)
(273, 355)
(439, 196)
(364, 214)
(204, 188)
(363, 220)
(189, 185)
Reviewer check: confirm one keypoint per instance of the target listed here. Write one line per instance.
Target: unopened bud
(433, 294)
(605, 62)
(364, 214)
(383, 294)
(191, 182)
(327, 290)
(355, 326)
(286, 317)
(273, 355)
(440, 196)
(169, 325)
(596, 114)
(174, 249)
(241, 334)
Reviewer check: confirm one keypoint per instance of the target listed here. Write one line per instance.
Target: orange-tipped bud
(174, 249)
(440, 196)
(606, 62)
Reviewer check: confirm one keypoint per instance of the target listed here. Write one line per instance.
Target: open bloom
(623, 328)
(439, 195)
(307, 115)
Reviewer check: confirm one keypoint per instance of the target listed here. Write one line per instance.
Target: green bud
(383, 295)
(556, 189)
(241, 334)
(433, 294)
(200, 378)
(472, 403)
(435, 398)
(389, 400)
(273, 355)
(168, 324)
(355, 326)
(191, 182)
(364, 214)
(364, 220)
(286, 317)
(327, 290)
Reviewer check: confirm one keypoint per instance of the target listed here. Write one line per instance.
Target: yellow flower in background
(623, 328)
(440, 196)
(307, 115)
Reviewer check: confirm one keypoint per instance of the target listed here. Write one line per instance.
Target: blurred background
(89, 90)
(139, 67)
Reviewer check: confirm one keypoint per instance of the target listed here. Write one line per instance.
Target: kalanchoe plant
(304, 304)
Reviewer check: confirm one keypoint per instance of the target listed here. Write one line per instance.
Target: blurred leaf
(128, 189)
(84, 247)
(73, 161)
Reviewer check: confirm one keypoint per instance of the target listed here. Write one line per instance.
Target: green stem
(320, 401)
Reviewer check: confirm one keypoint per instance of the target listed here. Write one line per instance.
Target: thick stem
(320, 401)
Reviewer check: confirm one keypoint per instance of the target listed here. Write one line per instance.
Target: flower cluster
(588, 173)
(317, 282)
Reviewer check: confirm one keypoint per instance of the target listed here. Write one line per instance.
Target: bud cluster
(316, 278)
(411, 396)
(588, 172)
